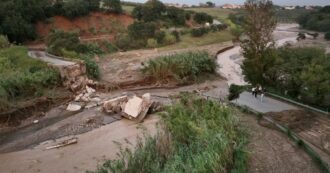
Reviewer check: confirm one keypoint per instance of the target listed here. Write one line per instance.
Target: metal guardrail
(297, 103)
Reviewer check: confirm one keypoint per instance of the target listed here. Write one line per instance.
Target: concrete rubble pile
(87, 99)
(134, 108)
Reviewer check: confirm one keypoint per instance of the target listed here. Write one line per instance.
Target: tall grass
(180, 67)
(196, 136)
(22, 76)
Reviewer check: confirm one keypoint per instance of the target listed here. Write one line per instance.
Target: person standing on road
(262, 94)
(253, 91)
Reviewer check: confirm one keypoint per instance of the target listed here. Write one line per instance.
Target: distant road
(42, 55)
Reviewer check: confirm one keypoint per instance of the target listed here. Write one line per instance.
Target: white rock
(85, 99)
(36, 121)
(90, 90)
(78, 97)
(91, 105)
(146, 96)
(95, 99)
(73, 107)
(133, 107)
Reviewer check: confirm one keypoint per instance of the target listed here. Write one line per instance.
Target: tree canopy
(259, 44)
(318, 21)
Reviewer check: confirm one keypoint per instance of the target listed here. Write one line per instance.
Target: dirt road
(41, 55)
(272, 152)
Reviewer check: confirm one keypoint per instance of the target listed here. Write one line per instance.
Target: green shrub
(202, 18)
(169, 39)
(176, 34)
(4, 43)
(160, 36)
(110, 48)
(142, 30)
(123, 41)
(151, 43)
(327, 36)
(58, 40)
(181, 67)
(235, 91)
(92, 68)
(198, 32)
(196, 136)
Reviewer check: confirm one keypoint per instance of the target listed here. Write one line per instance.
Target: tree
(137, 12)
(94, 5)
(142, 30)
(259, 46)
(58, 40)
(202, 18)
(210, 4)
(75, 8)
(176, 15)
(113, 6)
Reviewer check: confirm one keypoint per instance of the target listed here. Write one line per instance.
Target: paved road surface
(41, 55)
(268, 104)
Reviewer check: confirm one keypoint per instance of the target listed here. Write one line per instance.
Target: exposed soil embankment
(96, 23)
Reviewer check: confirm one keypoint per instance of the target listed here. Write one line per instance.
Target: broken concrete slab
(134, 106)
(145, 107)
(73, 107)
(90, 105)
(114, 105)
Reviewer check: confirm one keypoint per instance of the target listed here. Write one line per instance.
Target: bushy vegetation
(113, 6)
(302, 74)
(235, 91)
(196, 136)
(327, 36)
(182, 67)
(150, 11)
(4, 42)
(202, 18)
(198, 32)
(22, 76)
(67, 44)
(290, 16)
(318, 21)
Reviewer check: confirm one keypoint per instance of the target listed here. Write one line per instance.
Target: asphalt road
(267, 105)
(41, 55)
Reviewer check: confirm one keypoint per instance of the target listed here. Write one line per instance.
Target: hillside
(94, 24)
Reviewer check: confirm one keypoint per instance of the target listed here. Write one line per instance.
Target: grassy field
(188, 41)
(217, 13)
